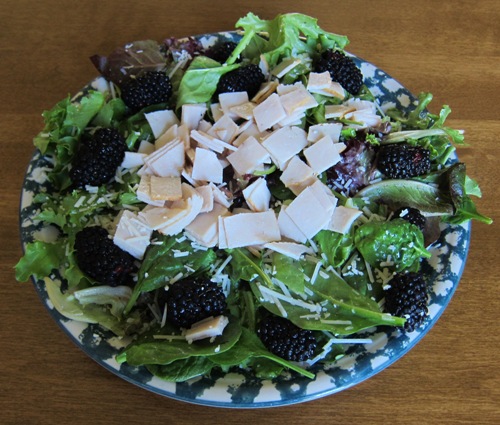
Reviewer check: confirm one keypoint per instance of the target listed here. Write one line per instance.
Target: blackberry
(282, 338)
(97, 158)
(246, 78)
(407, 297)
(150, 88)
(98, 257)
(412, 215)
(402, 161)
(220, 52)
(189, 301)
(341, 68)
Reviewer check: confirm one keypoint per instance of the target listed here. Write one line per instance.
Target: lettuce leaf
(200, 80)
(39, 260)
(64, 124)
(67, 305)
(460, 187)
(289, 35)
(74, 210)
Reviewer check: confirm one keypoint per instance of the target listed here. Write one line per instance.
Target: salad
(242, 205)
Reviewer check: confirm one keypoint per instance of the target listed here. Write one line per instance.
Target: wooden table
(448, 48)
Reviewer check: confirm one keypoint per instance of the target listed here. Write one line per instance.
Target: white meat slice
(343, 218)
(132, 235)
(288, 229)
(168, 160)
(284, 143)
(318, 131)
(269, 112)
(309, 213)
(206, 166)
(160, 121)
(249, 229)
(204, 229)
(297, 175)
(257, 195)
(248, 157)
(207, 328)
(192, 114)
(322, 155)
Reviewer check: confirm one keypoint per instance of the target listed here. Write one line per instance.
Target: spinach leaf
(246, 267)
(164, 352)
(334, 307)
(250, 346)
(345, 304)
(384, 241)
(265, 368)
(182, 370)
(336, 246)
(160, 264)
(289, 272)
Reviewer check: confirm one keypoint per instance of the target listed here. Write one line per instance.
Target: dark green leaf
(182, 370)
(289, 272)
(250, 346)
(396, 241)
(164, 351)
(336, 246)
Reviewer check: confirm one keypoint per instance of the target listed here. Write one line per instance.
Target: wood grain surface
(448, 48)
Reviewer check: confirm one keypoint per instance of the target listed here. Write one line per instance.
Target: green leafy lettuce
(200, 80)
(64, 125)
(39, 260)
(104, 309)
(288, 35)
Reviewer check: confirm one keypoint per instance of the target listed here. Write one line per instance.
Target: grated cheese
(293, 301)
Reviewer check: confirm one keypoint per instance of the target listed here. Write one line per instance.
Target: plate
(240, 388)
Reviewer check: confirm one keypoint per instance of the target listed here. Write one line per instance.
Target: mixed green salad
(330, 281)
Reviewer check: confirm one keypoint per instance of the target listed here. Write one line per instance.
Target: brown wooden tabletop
(448, 48)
